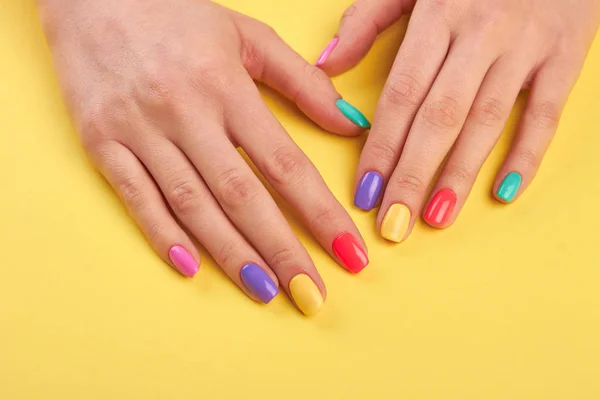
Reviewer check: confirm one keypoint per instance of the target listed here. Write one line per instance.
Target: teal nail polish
(509, 187)
(352, 113)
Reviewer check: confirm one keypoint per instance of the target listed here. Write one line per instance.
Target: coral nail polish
(509, 187)
(327, 52)
(306, 294)
(395, 223)
(183, 261)
(258, 282)
(440, 208)
(368, 191)
(350, 253)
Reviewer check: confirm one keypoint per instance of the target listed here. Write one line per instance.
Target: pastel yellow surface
(504, 305)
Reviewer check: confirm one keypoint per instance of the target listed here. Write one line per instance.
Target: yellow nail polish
(306, 294)
(395, 223)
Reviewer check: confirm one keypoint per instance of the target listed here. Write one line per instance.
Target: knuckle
(184, 197)
(282, 257)
(382, 152)
(460, 173)
(226, 252)
(545, 115)
(156, 232)
(529, 159)
(235, 190)
(285, 166)
(408, 183)
(350, 12)
(490, 112)
(443, 113)
(99, 122)
(131, 192)
(214, 74)
(323, 219)
(154, 87)
(403, 91)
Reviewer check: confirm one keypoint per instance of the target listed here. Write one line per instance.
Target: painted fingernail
(353, 114)
(440, 208)
(368, 191)
(395, 223)
(327, 52)
(306, 294)
(183, 261)
(258, 282)
(509, 187)
(350, 253)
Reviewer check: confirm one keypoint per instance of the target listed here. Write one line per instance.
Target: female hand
(161, 93)
(456, 77)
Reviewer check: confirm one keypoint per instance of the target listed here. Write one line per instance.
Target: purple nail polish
(258, 282)
(368, 191)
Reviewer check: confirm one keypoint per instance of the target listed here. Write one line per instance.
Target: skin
(456, 77)
(162, 93)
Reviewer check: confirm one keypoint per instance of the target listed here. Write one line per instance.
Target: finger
(435, 128)
(361, 23)
(135, 187)
(549, 93)
(195, 206)
(253, 211)
(293, 176)
(414, 71)
(482, 129)
(270, 60)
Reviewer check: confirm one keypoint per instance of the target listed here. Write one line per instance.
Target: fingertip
(183, 261)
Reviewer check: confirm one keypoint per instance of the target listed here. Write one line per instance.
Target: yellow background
(504, 305)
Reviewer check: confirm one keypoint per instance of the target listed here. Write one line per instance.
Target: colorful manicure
(368, 191)
(395, 223)
(440, 208)
(327, 52)
(258, 282)
(306, 294)
(350, 253)
(183, 261)
(353, 114)
(509, 187)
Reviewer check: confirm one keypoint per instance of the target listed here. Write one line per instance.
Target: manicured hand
(456, 77)
(162, 93)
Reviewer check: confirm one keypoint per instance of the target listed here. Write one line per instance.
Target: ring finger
(195, 206)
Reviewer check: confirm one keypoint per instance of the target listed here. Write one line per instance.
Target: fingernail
(350, 253)
(353, 114)
(509, 187)
(258, 282)
(183, 261)
(368, 191)
(327, 52)
(395, 223)
(306, 294)
(440, 208)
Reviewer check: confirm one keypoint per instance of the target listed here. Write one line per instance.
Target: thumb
(268, 59)
(361, 23)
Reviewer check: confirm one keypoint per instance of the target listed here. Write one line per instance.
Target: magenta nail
(183, 261)
(327, 52)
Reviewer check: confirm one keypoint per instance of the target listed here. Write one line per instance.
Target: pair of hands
(162, 93)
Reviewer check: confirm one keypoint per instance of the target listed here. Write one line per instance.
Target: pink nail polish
(327, 52)
(183, 261)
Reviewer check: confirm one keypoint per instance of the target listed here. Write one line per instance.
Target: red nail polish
(350, 253)
(440, 208)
